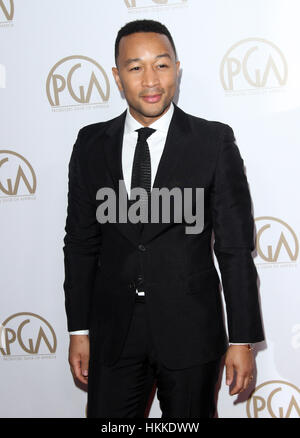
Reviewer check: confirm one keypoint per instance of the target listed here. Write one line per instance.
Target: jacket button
(142, 247)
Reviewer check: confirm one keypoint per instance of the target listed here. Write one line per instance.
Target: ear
(177, 68)
(115, 72)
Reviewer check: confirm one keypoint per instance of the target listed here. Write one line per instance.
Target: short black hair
(142, 26)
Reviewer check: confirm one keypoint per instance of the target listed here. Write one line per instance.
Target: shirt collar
(161, 124)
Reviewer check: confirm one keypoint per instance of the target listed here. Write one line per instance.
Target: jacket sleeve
(233, 227)
(82, 243)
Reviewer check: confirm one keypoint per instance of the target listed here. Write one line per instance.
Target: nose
(150, 78)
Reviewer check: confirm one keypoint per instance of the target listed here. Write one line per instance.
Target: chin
(153, 111)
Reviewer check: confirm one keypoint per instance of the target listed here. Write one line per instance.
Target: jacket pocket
(202, 281)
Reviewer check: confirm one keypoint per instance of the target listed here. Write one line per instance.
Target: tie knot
(144, 133)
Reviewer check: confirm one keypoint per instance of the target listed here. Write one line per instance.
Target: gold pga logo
(276, 241)
(7, 10)
(27, 333)
(17, 177)
(253, 64)
(274, 399)
(77, 80)
(141, 4)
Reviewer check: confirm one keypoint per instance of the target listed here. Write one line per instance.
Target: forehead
(141, 44)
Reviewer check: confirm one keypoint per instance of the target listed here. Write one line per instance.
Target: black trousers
(123, 390)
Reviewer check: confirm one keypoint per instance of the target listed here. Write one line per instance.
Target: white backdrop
(240, 65)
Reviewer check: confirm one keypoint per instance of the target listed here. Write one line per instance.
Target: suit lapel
(172, 156)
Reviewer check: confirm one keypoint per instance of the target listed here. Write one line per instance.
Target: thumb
(229, 374)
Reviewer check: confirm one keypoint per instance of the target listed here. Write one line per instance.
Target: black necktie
(141, 168)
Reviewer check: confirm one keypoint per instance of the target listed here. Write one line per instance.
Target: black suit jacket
(181, 283)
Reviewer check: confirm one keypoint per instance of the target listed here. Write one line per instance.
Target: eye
(134, 68)
(163, 66)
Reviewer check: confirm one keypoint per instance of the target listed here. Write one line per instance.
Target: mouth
(154, 98)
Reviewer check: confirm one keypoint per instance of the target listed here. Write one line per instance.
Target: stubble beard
(141, 111)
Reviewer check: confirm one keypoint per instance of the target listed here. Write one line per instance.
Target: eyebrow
(163, 55)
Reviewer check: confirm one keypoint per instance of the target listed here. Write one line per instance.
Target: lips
(152, 99)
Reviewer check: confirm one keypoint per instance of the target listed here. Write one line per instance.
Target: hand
(79, 355)
(240, 359)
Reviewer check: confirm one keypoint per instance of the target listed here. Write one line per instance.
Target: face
(147, 74)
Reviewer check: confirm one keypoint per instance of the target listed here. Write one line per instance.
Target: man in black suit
(142, 299)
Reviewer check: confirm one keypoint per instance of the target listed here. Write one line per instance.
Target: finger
(77, 371)
(246, 383)
(238, 385)
(85, 366)
(229, 374)
(248, 380)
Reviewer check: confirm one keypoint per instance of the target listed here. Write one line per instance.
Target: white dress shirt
(156, 143)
